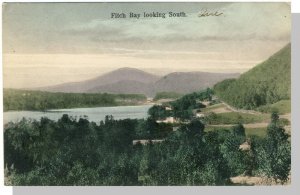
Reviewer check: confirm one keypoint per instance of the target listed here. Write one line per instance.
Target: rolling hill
(134, 81)
(124, 87)
(122, 74)
(266, 83)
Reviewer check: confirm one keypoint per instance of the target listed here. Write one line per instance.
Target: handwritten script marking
(206, 13)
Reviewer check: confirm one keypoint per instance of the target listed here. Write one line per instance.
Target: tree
(234, 157)
(239, 130)
(158, 112)
(274, 154)
(194, 128)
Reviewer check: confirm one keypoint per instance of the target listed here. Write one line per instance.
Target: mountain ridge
(131, 80)
(107, 78)
(266, 83)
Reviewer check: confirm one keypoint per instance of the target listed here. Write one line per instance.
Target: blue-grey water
(92, 114)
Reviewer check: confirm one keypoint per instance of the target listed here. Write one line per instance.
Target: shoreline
(54, 109)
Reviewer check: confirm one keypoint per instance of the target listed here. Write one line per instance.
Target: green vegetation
(70, 152)
(166, 95)
(39, 100)
(150, 129)
(213, 107)
(274, 153)
(216, 128)
(267, 83)
(281, 107)
(79, 152)
(184, 106)
(260, 132)
(234, 118)
(159, 112)
(239, 130)
(283, 122)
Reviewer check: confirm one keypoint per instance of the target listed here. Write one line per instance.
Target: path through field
(224, 108)
(251, 125)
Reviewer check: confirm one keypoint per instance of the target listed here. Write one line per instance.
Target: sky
(51, 43)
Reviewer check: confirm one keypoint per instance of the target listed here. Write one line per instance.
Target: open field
(260, 131)
(255, 123)
(236, 117)
(281, 107)
(217, 108)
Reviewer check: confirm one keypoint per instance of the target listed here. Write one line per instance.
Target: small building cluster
(170, 119)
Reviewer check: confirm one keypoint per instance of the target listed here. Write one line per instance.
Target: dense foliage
(273, 155)
(267, 83)
(182, 108)
(159, 112)
(79, 152)
(166, 95)
(38, 100)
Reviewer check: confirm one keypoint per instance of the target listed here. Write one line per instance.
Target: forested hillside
(39, 100)
(267, 83)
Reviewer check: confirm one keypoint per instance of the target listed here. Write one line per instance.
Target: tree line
(167, 95)
(39, 100)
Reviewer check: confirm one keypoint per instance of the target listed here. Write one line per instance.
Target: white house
(199, 115)
(167, 120)
(245, 146)
(168, 108)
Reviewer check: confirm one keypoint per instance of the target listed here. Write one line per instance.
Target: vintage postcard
(147, 94)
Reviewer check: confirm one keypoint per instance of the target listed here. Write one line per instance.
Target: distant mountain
(266, 83)
(122, 74)
(134, 81)
(124, 87)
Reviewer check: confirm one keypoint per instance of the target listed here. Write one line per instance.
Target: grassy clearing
(284, 122)
(213, 107)
(260, 132)
(234, 118)
(210, 128)
(281, 107)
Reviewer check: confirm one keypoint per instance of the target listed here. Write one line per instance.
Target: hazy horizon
(162, 73)
(53, 43)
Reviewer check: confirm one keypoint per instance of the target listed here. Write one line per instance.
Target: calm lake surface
(92, 114)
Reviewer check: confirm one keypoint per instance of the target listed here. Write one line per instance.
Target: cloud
(240, 21)
(29, 30)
